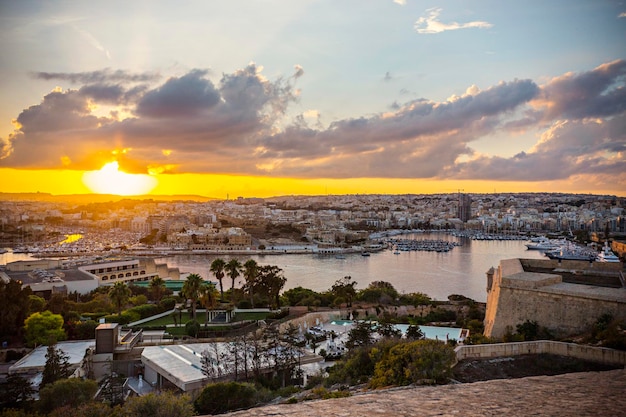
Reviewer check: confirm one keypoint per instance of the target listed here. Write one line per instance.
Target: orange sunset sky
(259, 99)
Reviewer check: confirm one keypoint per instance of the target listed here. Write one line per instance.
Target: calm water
(460, 271)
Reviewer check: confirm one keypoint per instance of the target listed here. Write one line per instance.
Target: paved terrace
(578, 394)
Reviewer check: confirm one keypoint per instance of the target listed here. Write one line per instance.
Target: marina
(437, 264)
(436, 274)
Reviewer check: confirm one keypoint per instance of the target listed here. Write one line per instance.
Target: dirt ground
(522, 366)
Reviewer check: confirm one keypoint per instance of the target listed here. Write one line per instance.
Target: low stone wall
(588, 353)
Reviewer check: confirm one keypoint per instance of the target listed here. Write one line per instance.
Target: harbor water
(462, 270)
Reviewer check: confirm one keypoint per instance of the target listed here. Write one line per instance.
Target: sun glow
(110, 180)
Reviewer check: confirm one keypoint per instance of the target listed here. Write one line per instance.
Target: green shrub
(66, 392)
(167, 303)
(126, 317)
(222, 397)
(145, 310)
(192, 328)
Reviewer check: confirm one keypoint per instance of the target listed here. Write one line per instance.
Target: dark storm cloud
(58, 111)
(110, 94)
(186, 96)
(102, 76)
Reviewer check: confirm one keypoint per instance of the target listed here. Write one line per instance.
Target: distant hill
(97, 198)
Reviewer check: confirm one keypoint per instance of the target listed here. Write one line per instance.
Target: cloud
(430, 23)
(102, 76)
(621, 15)
(400, 2)
(597, 93)
(299, 71)
(92, 41)
(186, 96)
(566, 149)
(238, 124)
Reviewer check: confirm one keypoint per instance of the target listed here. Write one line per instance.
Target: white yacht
(607, 254)
(544, 244)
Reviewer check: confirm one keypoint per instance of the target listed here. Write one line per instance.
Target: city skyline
(276, 98)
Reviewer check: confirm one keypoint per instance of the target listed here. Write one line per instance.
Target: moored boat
(607, 254)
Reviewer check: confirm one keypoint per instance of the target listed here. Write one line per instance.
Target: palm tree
(119, 295)
(157, 285)
(217, 268)
(208, 298)
(250, 272)
(232, 269)
(191, 291)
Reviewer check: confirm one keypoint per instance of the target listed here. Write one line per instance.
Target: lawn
(200, 316)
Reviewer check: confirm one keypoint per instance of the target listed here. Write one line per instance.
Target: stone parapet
(590, 394)
(587, 353)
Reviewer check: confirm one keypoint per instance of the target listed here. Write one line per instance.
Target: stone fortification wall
(596, 267)
(515, 296)
(588, 353)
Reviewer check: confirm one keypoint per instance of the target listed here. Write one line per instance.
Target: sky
(264, 98)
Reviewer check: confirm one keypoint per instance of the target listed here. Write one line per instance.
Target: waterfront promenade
(576, 394)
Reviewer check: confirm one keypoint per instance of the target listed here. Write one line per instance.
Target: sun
(110, 180)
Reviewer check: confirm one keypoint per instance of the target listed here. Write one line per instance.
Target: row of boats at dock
(563, 249)
(428, 245)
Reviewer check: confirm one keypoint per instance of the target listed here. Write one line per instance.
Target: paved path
(598, 394)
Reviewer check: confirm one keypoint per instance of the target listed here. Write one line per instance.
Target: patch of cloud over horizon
(105, 75)
(430, 23)
(597, 93)
(237, 125)
(566, 149)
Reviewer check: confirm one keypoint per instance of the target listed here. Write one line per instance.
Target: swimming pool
(430, 332)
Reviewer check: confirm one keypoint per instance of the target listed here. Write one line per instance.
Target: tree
(57, 366)
(233, 268)
(360, 335)
(414, 333)
(386, 329)
(191, 291)
(15, 391)
(70, 392)
(36, 304)
(379, 292)
(42, 328)
(119, 295)
(217, 268)
(345, 288)
(208, 298)
(157, 287)
(270, 281)
(192, 327)
(250, 273)
(15, 303)
(164, 404)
